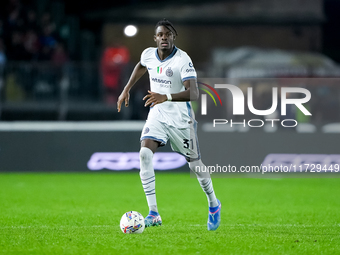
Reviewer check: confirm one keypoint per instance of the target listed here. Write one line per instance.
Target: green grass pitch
(80, 213)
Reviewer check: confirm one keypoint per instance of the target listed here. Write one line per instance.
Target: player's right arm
(137, 73)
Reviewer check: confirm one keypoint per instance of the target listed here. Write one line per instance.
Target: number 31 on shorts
(186, 143)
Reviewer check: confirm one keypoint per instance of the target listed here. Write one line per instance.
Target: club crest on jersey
(169, 72)
(159, 69)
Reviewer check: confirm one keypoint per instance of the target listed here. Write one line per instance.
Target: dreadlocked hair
(167, 24)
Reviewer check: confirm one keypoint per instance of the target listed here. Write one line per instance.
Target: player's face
(164, 38)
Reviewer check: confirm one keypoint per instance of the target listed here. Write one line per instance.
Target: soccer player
(171, 118)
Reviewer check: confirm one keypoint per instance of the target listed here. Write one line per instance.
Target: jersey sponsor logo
(165, 86)
(169, 72)
(159, 69)
(190, 64)
(160, 81)
(190, 70)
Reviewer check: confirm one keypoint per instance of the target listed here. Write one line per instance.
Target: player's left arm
(189, 94)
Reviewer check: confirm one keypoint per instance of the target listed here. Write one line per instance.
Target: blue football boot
(214, 218)
(153, 219)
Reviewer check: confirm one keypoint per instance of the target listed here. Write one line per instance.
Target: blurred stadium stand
(52, 52)
(63, 64)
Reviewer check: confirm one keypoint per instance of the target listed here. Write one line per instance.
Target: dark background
(70, 151)
(64, 75)
(60, 73)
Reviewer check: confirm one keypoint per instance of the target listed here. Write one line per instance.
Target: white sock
(147, 176)
(205, 182)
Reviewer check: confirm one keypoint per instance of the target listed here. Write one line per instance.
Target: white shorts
(182, 140)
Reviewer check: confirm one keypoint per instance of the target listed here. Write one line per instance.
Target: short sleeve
(187, 69)
(142, 58)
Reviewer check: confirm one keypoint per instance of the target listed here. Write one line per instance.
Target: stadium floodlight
(130, 30)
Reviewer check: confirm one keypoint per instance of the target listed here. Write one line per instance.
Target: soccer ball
(132, 222)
